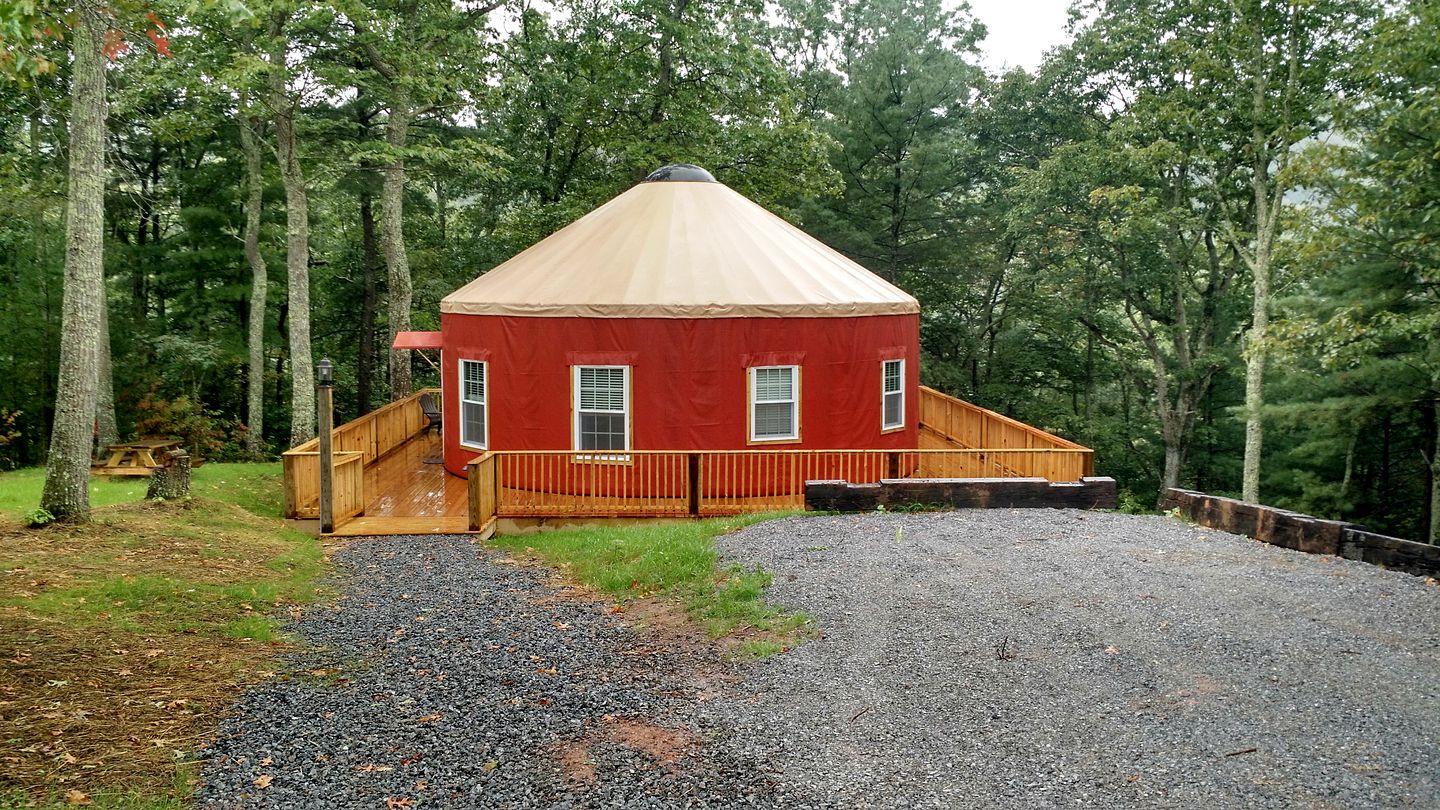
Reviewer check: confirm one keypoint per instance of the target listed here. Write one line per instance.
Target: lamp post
(324, 400)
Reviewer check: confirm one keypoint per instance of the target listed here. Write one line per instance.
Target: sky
(1020, 31)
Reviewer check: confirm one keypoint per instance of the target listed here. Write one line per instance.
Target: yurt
(678, 316)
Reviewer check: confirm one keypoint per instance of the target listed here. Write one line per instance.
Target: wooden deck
(389, 480)
(410, 481)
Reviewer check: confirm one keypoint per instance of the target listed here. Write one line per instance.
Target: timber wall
(1280, 527)
(961, 493)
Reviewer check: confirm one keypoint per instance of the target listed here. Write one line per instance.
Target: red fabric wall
(689, 385)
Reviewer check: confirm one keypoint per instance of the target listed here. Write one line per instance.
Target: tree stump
(171, 480)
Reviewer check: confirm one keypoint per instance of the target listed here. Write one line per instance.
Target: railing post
(693, 461)
(324, 377)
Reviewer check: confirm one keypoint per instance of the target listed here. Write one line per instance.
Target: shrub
(207, 434)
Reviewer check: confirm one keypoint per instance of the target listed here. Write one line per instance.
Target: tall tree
(67, 472)
(250, 127)
(284, 109)
(1285, 60)
(899, 120)
(1371, 312)
(420, 50)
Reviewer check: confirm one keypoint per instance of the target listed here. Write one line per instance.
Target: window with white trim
(602, 407)
(774, 403)
(474, 414)
(892, 394)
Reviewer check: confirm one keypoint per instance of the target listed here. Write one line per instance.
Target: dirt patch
(577, 766)
(666, 746)
(666, 621)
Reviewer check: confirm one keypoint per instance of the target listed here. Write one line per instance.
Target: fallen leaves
(391, 803)
(263, 781)
(77, 797)
(430, 718)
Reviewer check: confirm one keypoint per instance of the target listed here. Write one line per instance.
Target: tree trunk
(397, 264)
(442, 206)
(297, 245)
(106, 431)
(259, 284)
(171, 480)
(67, 472)
(1170, 478)
(1433, 535)
(365, 367)
(1255, 345)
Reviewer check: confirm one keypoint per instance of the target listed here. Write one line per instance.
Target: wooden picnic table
(135, 458)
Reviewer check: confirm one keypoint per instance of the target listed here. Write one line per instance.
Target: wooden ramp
(410, 493)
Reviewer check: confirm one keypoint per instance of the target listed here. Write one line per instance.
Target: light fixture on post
(324, 405)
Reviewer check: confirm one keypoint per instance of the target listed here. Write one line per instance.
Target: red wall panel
(689, 385)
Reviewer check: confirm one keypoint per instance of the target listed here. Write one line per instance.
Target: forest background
(1199, 237)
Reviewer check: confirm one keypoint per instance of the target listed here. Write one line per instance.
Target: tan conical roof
(680, 249)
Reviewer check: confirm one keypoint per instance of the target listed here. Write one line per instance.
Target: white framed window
(892, 394)
(774, 403)
(602, 408)
(474, 412)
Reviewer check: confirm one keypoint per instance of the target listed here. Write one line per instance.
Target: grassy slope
(674, 560)
(255, 487)
(121, 639)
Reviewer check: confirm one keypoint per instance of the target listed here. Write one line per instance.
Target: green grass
(119, 800)
(253, 487)
(143, 621)
(676, 560)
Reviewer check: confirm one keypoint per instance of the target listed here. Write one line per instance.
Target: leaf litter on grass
(122, 640)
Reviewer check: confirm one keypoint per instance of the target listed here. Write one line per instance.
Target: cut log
(171, 480)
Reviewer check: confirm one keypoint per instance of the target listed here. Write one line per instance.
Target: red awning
(416, 340)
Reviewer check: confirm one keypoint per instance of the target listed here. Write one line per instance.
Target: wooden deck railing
(661, 483)
(356, 445)
(947, 422)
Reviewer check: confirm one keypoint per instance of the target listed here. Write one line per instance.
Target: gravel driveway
(448, 676)
(1057, 658)
(985, 659)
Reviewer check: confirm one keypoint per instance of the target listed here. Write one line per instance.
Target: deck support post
(324, 405)
(694, 476)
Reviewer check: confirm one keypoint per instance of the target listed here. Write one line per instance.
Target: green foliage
(207, 434)
(37, 517)
(1360, 333)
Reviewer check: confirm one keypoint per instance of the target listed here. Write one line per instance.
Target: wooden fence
(356, 445)
(661, 483)
(949, 422)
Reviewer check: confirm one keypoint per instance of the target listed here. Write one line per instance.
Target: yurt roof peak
(680, 245)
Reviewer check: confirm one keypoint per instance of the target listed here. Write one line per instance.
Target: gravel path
(447, 677)
(975, 659)
(1048, 658)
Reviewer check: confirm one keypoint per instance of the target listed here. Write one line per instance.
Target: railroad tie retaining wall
(960, 493)
(1293, 530)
